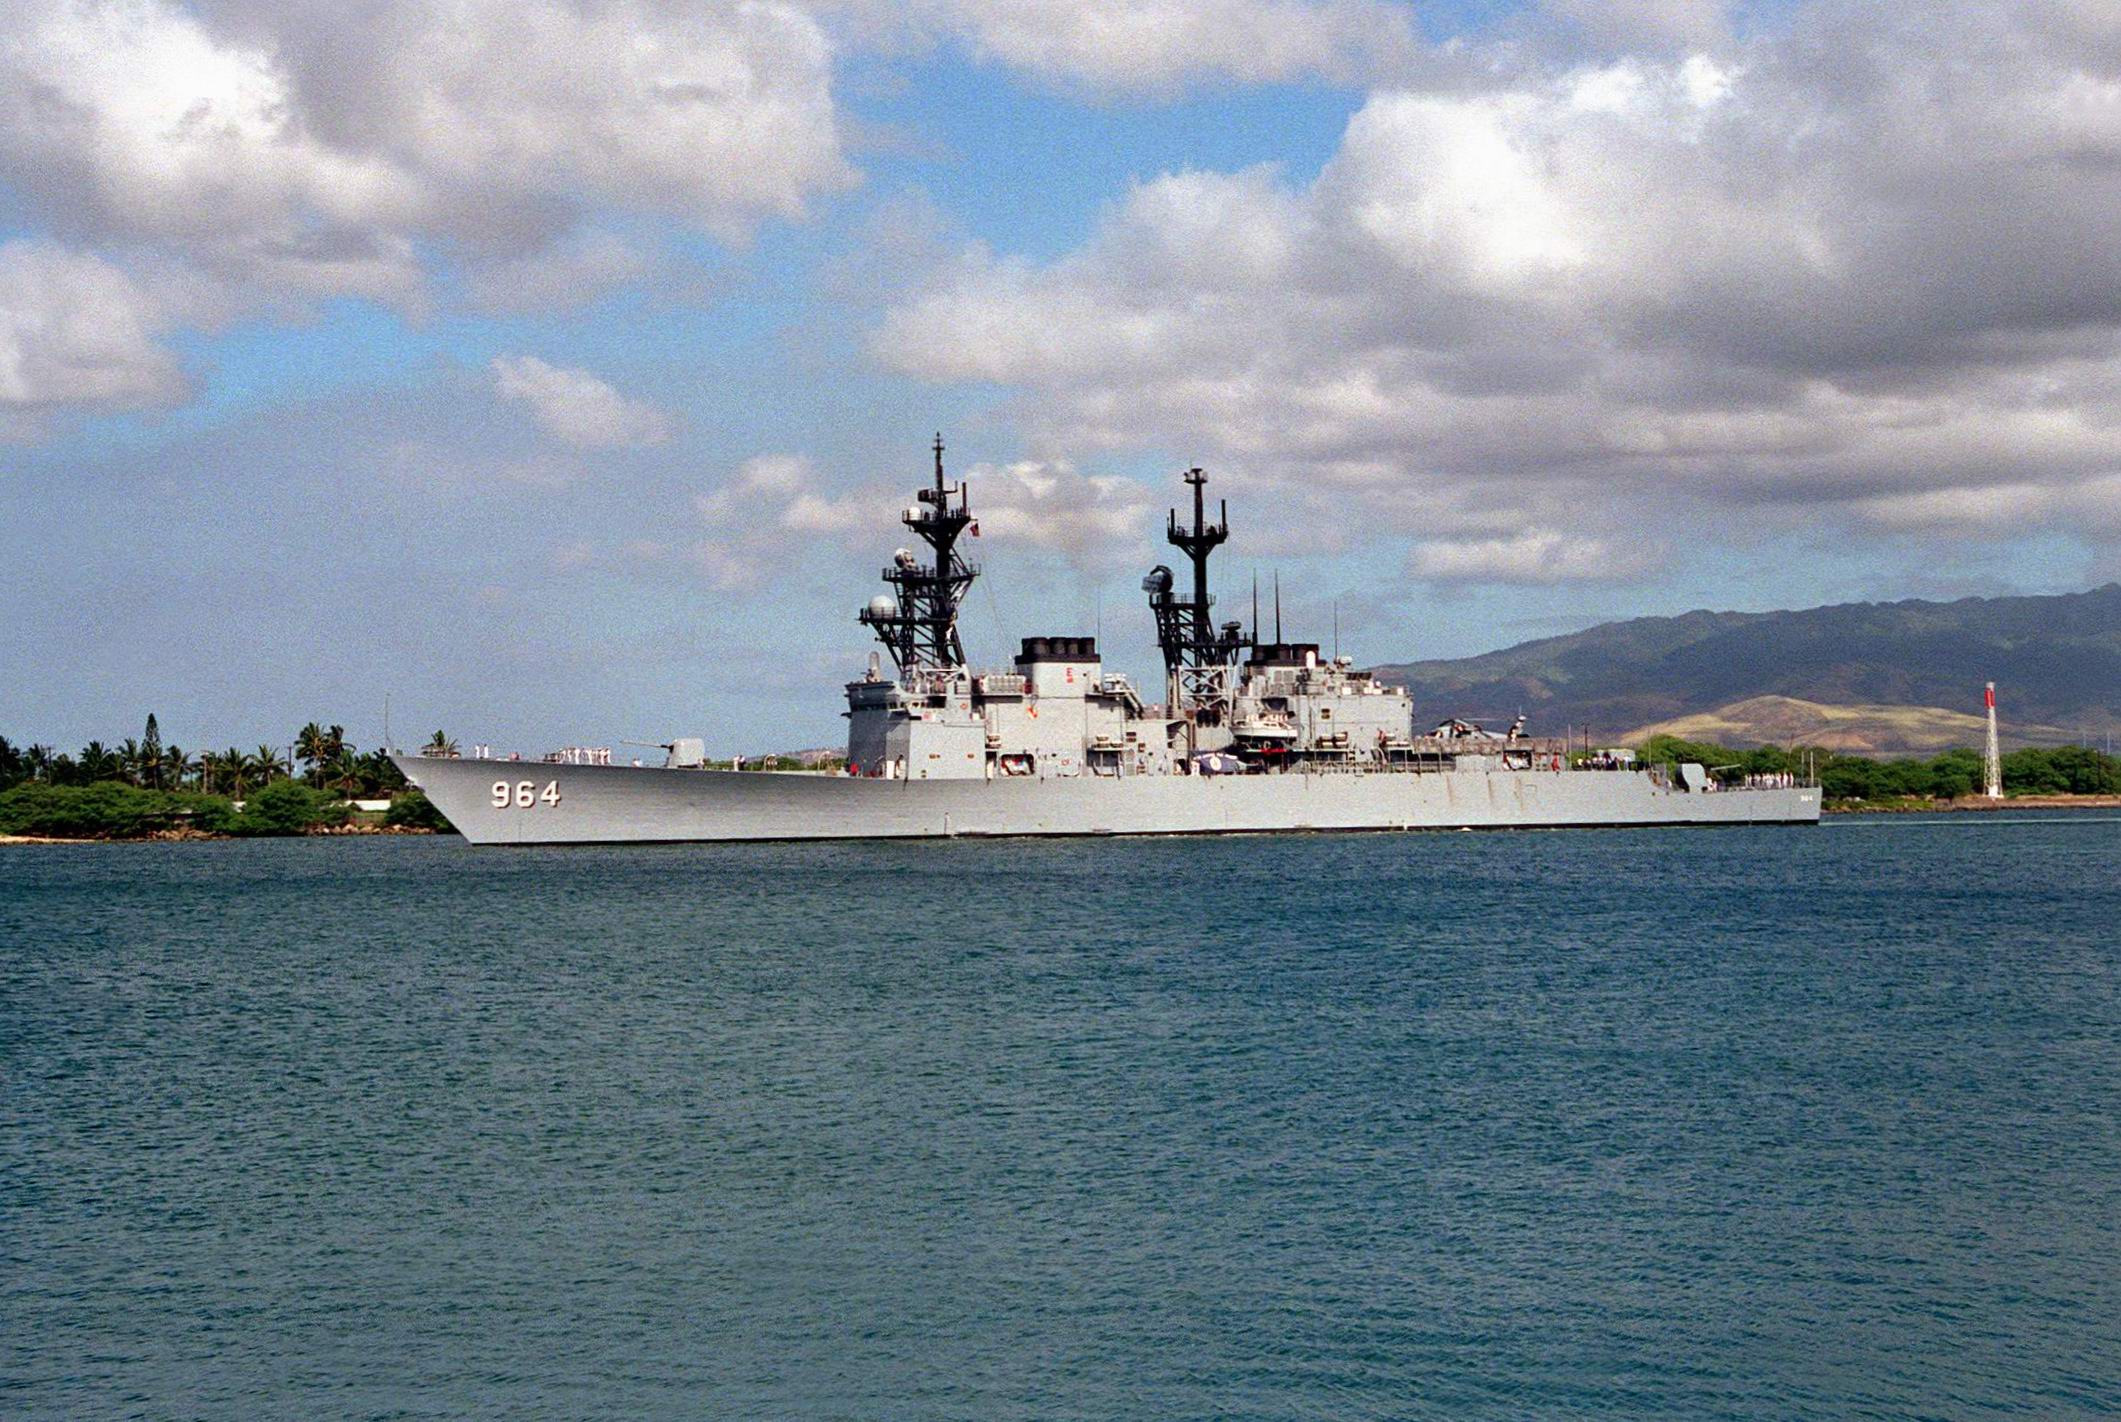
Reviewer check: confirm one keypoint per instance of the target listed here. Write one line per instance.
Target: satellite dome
(883, 605)
(903, 557)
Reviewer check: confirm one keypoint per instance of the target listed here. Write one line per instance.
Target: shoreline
(1974, 805)
(189, 836)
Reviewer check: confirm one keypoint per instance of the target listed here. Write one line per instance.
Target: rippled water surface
(1725, 1124)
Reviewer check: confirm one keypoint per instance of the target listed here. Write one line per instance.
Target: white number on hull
(524, 794)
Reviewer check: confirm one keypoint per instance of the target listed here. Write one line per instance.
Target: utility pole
(1992, 760)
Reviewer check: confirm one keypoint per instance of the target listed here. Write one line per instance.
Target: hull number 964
(524, 794)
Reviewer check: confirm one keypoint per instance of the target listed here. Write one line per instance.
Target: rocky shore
(184, 836)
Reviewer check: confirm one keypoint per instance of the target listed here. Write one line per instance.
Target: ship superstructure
(1249, 735)
(1233, 704)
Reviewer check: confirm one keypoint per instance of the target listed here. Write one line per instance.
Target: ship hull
(505, 802)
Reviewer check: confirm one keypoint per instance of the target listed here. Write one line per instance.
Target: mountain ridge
(2056, 659)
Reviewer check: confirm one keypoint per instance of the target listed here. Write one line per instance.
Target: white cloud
(772, 509)
(1094, 521)
(578, 408)
(75, 332)
(776, 506)
(1866, 257)
(1535, 555)
(306, 148)
(2001, 510)
(132, 121)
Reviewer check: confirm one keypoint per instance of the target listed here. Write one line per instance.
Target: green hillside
(2056, 661)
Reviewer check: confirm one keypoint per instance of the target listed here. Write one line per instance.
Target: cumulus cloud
(1097, 522)
(76, 332)
(776, 505)
(133, 121)
(768, 511)
(1851, 265)
(576, 407)
(309, 147)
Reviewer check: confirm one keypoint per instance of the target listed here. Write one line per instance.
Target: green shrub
(1849, 777)
(104, 810)
(1671, 750)
(2064, 770)
(288, 807)
(409, 809)
(212, 813)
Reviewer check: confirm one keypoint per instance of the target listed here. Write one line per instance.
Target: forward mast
(917, 621)
(1200, 659)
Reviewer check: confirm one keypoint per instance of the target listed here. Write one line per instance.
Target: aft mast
(918, 624)
(1199, 658)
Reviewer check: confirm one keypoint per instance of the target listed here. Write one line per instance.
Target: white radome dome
(883, 605)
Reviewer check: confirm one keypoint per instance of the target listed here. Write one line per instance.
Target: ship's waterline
(1254, 735)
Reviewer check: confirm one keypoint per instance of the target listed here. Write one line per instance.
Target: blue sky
(556, 369)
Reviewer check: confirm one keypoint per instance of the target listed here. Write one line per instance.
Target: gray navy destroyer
(1250, 736)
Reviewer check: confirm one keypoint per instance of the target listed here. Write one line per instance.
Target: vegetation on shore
(1853, 780)
(142, 788)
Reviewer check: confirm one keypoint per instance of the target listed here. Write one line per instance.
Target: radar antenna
(1199, 657)
(917, 623)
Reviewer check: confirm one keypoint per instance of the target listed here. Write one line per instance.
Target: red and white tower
(1992, 758)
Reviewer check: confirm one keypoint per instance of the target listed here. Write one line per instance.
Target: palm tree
(10, 762)
(151, 753)
(237, 773)
(312, 747)
(268, 765)
(177, 767)
(98, 762)
(37, 762)
(379, 774)
(342, 771)
(440, 745)
(132, 761)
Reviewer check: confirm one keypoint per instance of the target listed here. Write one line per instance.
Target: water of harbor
(1698, 1124)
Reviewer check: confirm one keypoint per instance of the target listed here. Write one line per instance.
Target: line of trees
(147, 786)
(327, 761)
(2058, 770)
